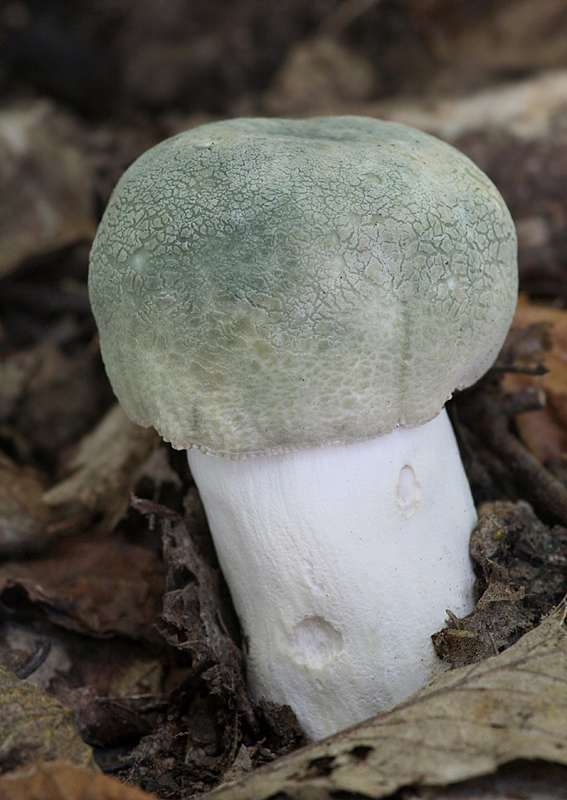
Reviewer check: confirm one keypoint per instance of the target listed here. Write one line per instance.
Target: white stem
(341, 562)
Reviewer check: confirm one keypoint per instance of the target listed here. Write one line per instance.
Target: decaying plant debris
(119, 650)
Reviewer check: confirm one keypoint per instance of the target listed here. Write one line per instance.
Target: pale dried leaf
(465, 724)
(35, 726)
(60, 780)
(45, 185)
(527, 109)
(101, 477)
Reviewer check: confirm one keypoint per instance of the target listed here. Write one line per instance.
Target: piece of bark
(466, 724)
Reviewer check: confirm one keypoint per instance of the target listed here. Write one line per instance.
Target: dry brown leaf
(474, 43)
(45, 185)
(23, 515)
(101, 587)
(60, 780)
(465, 724)
(196, 616)
(100, 478)
(544, 431)
(35, 726)
(94, 491)
(48, 396)
(61, 397)
(317, 76)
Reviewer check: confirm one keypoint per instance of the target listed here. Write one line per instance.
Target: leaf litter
(139, 650)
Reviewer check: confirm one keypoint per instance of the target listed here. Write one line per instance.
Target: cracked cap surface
(263, 285)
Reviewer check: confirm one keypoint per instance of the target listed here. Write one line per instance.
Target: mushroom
(294, 302)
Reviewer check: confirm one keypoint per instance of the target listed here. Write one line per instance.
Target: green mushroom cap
(263, 285)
